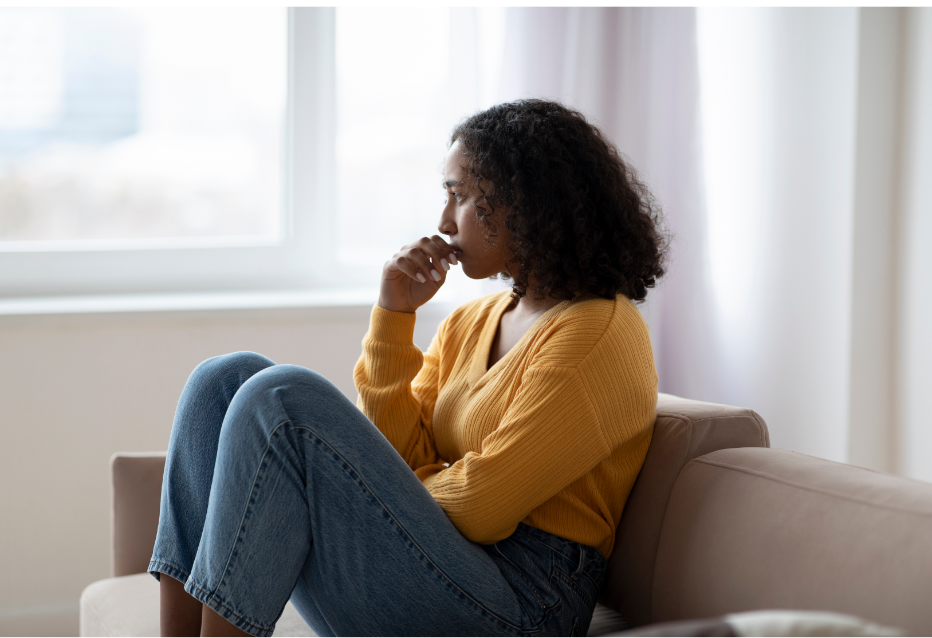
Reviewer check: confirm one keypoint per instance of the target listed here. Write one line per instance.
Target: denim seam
(543, 542)
(242, 523)
(252, 491)
(587, 573)
(424, 554)
(558, 573)
(168, 569)
(526, 581)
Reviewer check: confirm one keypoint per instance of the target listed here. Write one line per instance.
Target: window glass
(141, 122)
(404, 77)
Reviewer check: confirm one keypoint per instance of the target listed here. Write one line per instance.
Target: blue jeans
(277, 487)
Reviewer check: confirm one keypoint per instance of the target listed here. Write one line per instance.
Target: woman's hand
(415, 273)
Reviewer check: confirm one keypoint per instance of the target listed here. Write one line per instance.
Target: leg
(310, 501)
(213, 624)
(189, 469)
(179, 612)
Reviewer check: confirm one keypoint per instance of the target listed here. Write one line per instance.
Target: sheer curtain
(787, 149)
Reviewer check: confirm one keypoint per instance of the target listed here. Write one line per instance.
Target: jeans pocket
(578, 579)
(571, 583)
(590, 571)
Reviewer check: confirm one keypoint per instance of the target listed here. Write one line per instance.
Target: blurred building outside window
(141, 123)
(150, 130)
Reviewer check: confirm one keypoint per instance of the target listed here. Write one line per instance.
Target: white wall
(75, 388)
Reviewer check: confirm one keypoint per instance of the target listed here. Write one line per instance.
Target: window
(404, 78)
(125, 123)
(146, 150)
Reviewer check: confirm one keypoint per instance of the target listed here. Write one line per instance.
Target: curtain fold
(745, 125)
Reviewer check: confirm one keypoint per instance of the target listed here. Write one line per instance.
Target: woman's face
(479, 254)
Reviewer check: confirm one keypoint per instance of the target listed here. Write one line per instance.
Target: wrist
(385, 305)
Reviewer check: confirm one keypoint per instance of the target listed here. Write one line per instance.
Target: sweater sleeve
(397, 384)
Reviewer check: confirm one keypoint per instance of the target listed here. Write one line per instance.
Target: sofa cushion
(773, 529)
(684, 430)
(129, 606)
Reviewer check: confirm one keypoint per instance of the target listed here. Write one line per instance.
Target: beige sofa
(716, 523)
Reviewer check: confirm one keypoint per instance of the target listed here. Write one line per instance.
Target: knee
(232, 369)
(299, 390)
(285, 379)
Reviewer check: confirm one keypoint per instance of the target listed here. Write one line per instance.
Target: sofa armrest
(684, 430)
(136, 482)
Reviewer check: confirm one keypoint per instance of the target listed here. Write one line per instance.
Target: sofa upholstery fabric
(134, 518)
(773, 529)
(684, 430)
(129, 606)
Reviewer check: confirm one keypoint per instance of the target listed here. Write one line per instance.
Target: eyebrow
(451, 183)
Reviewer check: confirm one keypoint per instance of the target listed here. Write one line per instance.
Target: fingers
(426, 260)
(440, 252)
(430, 270)
(410, 267)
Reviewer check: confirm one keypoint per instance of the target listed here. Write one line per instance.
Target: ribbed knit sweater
(553, 435)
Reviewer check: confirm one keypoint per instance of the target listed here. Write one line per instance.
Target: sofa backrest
(684, 430)
(136, 489)
(774, 529)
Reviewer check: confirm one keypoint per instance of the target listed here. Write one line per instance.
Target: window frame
(300, 258)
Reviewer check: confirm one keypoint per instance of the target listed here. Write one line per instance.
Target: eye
(457, 196)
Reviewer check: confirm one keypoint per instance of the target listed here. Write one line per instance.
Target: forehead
(453, 166)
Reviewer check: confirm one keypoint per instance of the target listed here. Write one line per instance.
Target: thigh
(383, 557)
(191, 457)
(202, 407)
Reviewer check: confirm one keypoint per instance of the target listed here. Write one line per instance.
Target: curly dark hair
(580, 218)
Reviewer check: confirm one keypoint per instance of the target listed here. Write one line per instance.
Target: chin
(472, 273)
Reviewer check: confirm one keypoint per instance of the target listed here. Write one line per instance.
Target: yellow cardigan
(553, 435)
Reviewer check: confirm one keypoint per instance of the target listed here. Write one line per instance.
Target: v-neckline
(481, 371)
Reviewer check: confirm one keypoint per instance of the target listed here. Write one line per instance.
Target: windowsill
(325, 299)
(188, 301)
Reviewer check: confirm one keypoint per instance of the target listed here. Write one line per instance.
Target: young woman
(476, 488)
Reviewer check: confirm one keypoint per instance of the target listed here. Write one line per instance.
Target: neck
(526, 305)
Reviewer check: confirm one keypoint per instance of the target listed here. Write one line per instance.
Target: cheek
(474, 224)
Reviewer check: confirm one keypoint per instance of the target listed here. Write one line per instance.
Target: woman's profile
(475, 488)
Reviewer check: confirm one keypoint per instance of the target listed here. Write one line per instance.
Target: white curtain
(790, 153)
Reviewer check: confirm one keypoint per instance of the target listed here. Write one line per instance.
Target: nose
(447, 225)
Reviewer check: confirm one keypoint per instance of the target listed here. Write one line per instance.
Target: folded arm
(397, 385)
